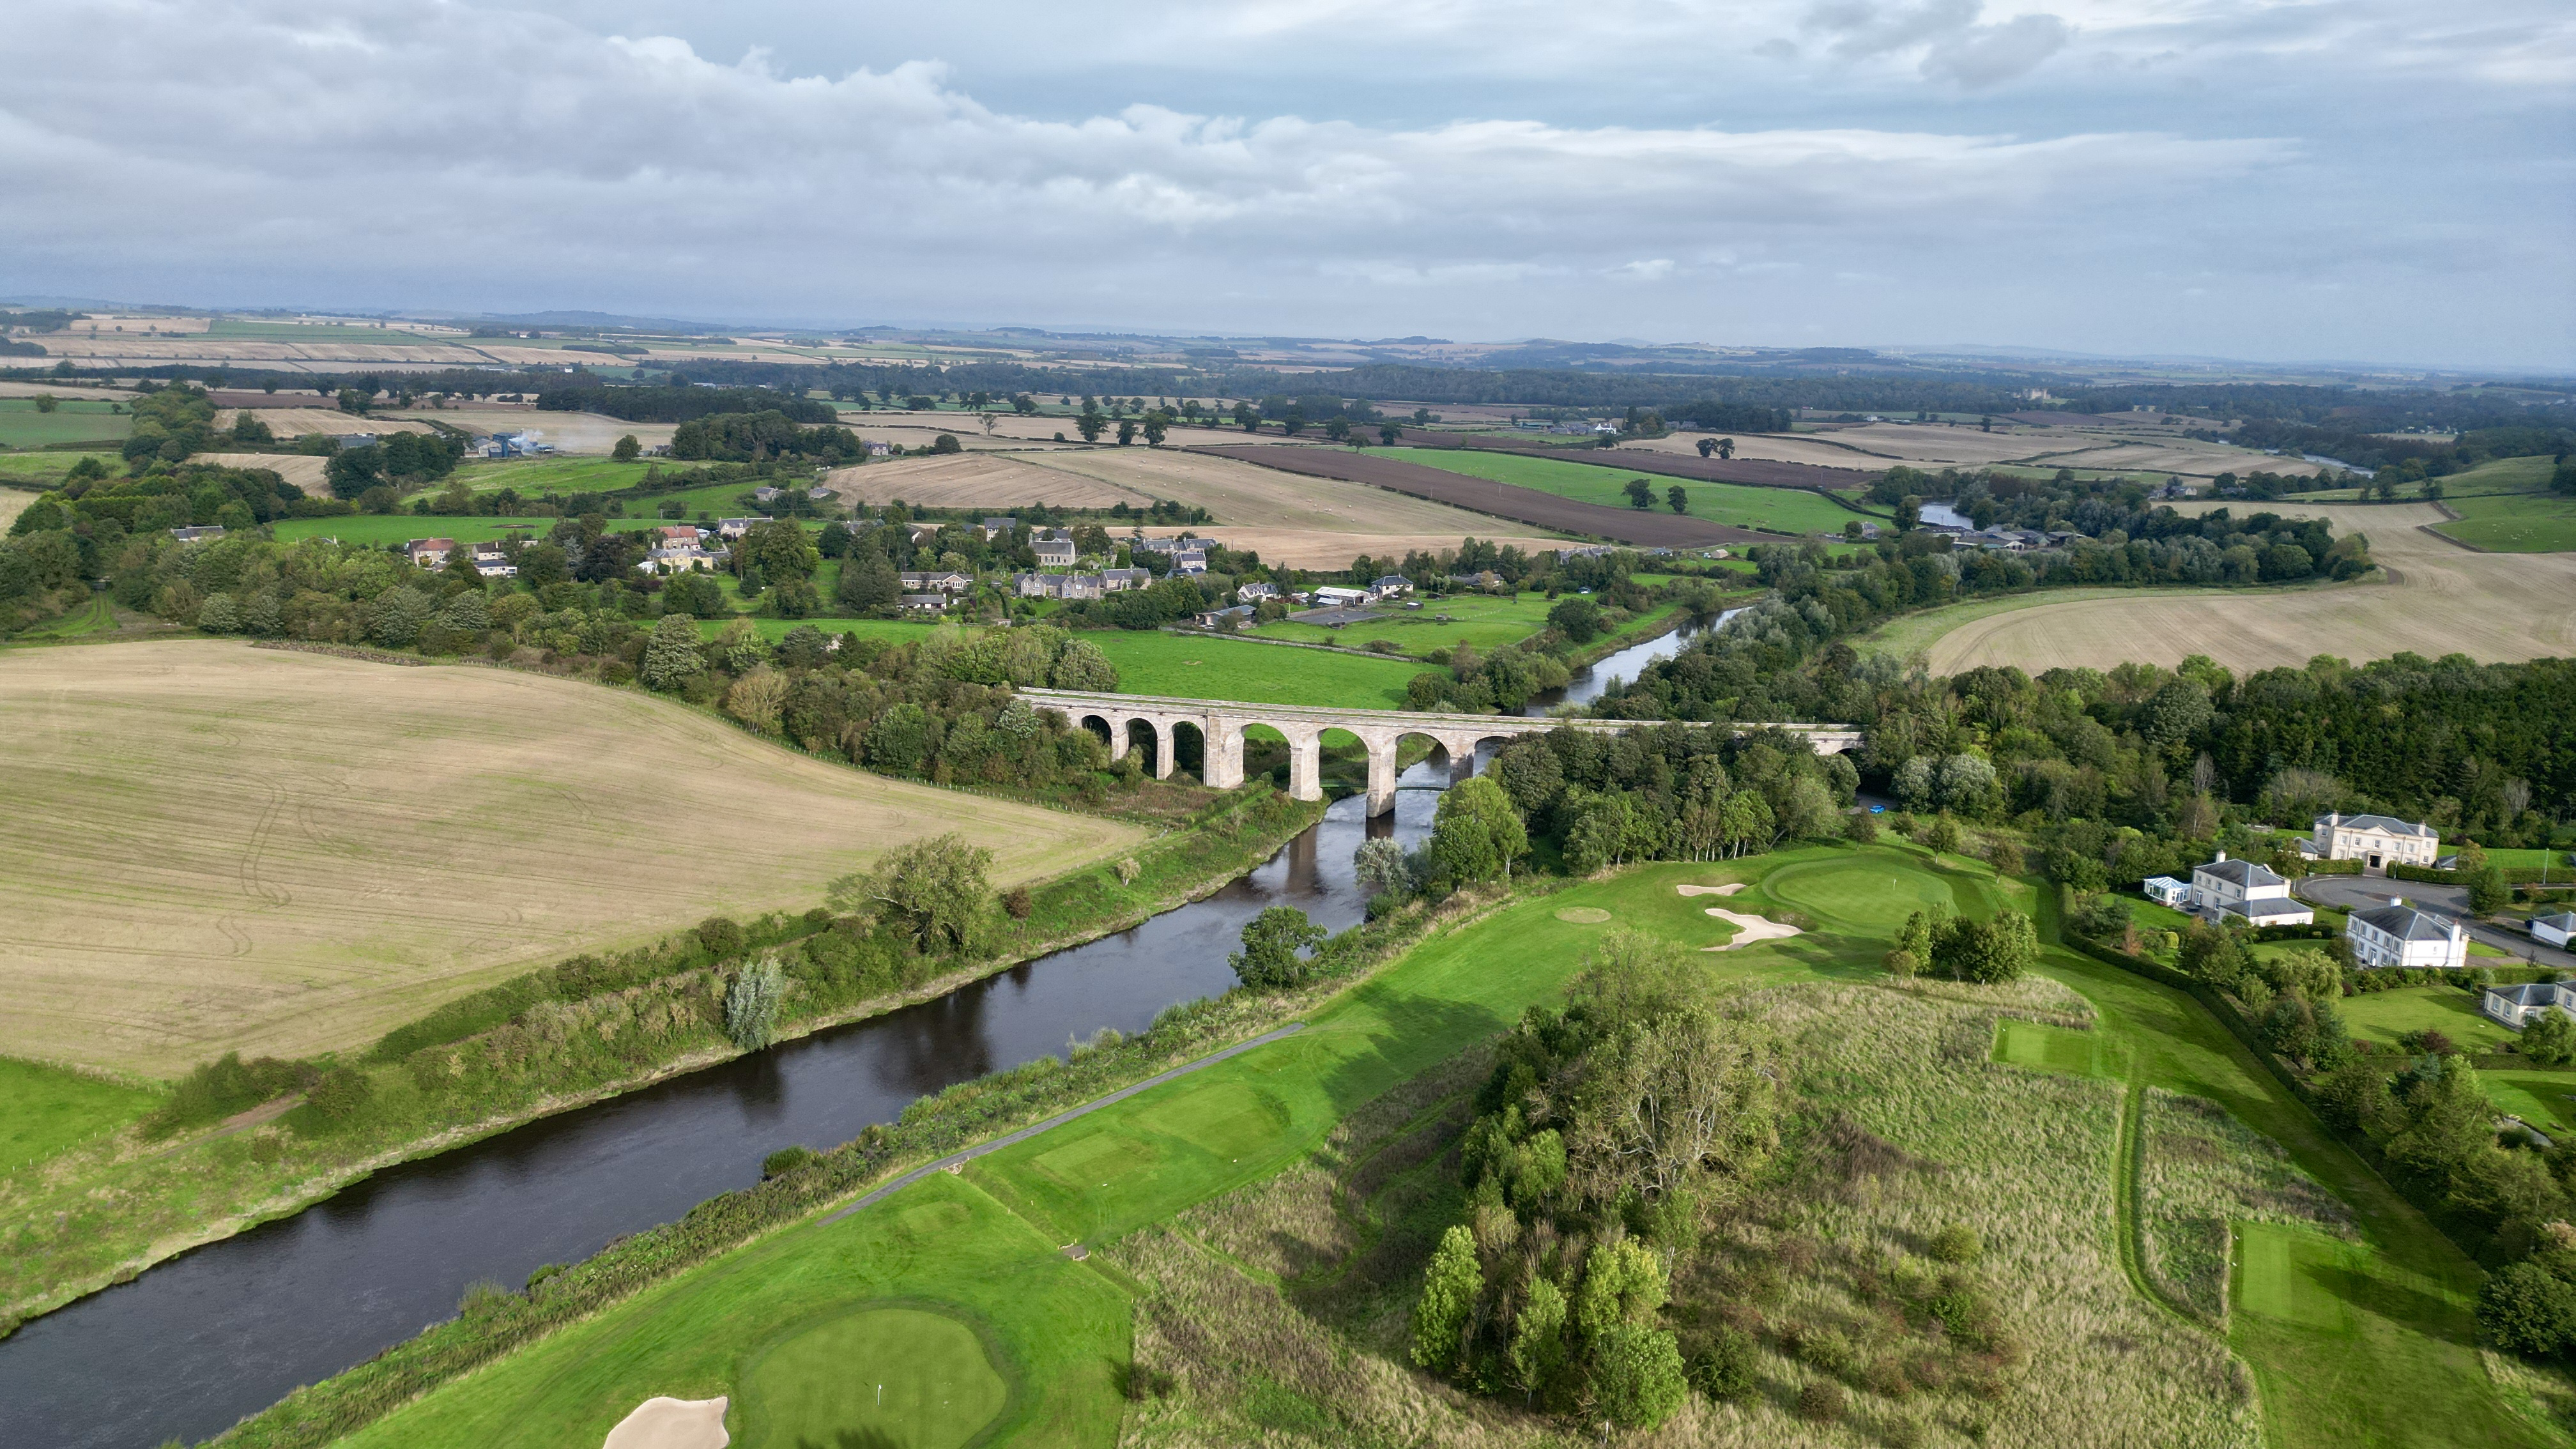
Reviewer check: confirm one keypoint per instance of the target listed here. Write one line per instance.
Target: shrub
(751, 1004)
(1957, 1243)
(341, 1094)
(1723, 1368)
(721, 935)
(2551, 1039)
(1018, 903)
(1638, 1372)
(1827, 1350)
(2527, 1310)
(1821, 1402)
(786, 1160)
(1862, 828)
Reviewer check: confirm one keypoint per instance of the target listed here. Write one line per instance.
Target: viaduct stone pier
(1221, 724)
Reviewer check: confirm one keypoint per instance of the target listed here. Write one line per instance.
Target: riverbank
(494, 1325)
(106, 1213)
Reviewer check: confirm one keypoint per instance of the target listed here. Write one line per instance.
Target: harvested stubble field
(289, 423)
(586, 433)
(976, 480)
(221, 847)
(2434, 598)
(1501, 500)
(305, 471)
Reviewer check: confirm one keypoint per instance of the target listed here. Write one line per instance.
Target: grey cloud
(1985, 55)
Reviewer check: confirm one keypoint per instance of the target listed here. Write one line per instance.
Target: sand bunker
(1724, 890)
(1583, 915)
(1749, 929)
(665, 1423)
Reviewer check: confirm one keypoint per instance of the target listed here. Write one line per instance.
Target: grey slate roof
(2246, 873)
(2536, 993)
(2405, 923)
(2264, 907)
(2563, 921)
(2389, 823)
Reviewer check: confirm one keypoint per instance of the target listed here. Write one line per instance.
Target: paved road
(956, 1160)
(2350, 892)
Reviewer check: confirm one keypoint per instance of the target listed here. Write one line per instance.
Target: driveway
(2354, 892)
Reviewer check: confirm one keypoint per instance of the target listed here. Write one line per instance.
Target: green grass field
(94, 617)
(45, 470)
(1482, 620)
(1215, 667)
(336, 332)
(392, 528)
(907, 1376)
(534, 476)
(2052, 1048)
(1788, 510)
(49, 1109)
(73, 420)
(2514, 522)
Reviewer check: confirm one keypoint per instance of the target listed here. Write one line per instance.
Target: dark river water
(193, 1345)
(1624, 665)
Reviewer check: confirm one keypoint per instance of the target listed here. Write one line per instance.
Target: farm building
(1334, 596)
(2515, 1006)
(2554, 930)
(2377, 841)
(2399, 935)
(1240, 614)
(2246, 889)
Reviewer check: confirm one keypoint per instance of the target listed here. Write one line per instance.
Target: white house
(429, 553)
(2554, 930)
(1255, 592)
(1391, 586)
(943, 581)
(2248, 889)
(2515, 1006)
(2377, 841)
(2164, 890)
(2398, 935)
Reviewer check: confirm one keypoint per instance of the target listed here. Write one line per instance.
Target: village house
(994, 528)
(2399, 935)
(2247, 889)
(2554, 930)
(1067, 587)
(766, 494)
(1054, 550)
(681, 535)
(925, 603)
(429, 553)
(735, 527)
(1189, 561)
(685, 560)
(198, 534)
(1391, 586)
(1240, 615)
(2377, 841)
(2516, 1006)
(944, 582)
(492, 563)
(1255, 592)
(1118, 581)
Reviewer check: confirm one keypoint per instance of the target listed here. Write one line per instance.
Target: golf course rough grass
(2367, 1342)
(918, 1377)
(218, 847)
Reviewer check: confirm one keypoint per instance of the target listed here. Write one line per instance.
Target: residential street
(2349, 892)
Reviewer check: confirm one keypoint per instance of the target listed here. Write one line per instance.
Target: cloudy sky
(2376, 180)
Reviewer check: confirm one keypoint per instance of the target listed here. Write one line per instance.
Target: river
(1624, 665)
(225, 1330)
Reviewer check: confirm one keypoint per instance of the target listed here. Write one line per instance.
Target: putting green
(889, 1376)
(1859, 894)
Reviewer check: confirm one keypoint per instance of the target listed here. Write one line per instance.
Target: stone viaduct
(1221, 724)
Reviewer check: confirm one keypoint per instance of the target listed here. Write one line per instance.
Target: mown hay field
(2434, 598)
(309, 473)
(218, 847)
(291, 423)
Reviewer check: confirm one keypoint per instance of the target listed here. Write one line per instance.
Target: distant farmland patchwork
(1783, 509)
(217, 847)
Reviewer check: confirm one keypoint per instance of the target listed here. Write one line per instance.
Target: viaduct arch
(1221, 724)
